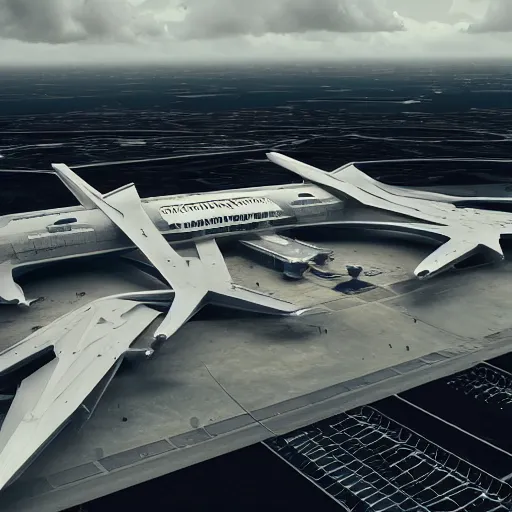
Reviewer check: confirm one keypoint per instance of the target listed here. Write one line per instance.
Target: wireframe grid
(484, 383)
(368, 463)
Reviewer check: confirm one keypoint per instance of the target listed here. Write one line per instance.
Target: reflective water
(191, 130)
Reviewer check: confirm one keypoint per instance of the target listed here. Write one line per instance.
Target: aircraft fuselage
(52, 235)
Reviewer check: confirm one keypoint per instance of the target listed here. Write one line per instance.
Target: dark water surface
(212, 127)
(203, 129)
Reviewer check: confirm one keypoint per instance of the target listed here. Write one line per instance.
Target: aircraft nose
(423, 274)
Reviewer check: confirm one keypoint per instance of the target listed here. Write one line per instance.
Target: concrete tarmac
(226, 380)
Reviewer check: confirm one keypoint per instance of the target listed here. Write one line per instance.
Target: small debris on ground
(36, 328)
(324, 274)
(81, 294)
(373, 272)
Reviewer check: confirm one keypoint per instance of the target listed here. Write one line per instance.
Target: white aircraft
(120, 221)
(89, 344)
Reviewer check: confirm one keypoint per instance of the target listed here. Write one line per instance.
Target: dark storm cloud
(257, 17)
(22, 19)
(65, 21)
(497, 19)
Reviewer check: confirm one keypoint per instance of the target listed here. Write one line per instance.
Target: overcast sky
(178, 31)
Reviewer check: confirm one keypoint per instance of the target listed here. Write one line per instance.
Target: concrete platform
(227, 381)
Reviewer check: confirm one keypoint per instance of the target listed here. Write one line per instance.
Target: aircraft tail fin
(306, 171)
(76, 185)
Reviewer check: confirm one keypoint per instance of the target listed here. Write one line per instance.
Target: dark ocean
(201, 129)
(173, 130)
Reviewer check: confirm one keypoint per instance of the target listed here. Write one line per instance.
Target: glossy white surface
(88, 343)
(466, 230)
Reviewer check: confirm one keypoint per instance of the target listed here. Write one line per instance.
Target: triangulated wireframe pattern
(484, 383)
(369, 463)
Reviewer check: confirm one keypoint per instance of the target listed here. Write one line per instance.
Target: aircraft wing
(88, 345)
(195, 281)
(352, 174)
(466, 230)
(90, 342)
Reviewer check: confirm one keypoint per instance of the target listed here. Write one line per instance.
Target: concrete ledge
(131, 467)
(227, 382)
